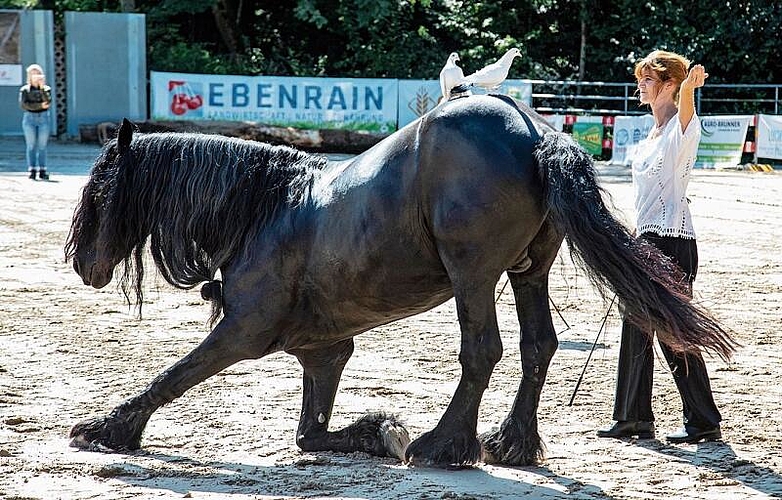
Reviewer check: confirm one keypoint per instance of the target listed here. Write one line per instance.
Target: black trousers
(633, 399)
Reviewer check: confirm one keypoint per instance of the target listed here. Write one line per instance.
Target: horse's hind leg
(121, 430)
(517, 442)
(376, 433)
(453, 441)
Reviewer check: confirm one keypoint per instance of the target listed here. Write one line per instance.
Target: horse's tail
(213, 292)
(653, 290)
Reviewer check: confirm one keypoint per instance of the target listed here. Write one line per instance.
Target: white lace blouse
(662, 165)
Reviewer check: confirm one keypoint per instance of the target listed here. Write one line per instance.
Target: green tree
(596, 40)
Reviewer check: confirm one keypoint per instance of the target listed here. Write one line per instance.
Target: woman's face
(648, 86)
(36, 77)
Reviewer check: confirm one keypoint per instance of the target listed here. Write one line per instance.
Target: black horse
(311, 253)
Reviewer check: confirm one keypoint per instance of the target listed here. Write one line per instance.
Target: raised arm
(696, 78)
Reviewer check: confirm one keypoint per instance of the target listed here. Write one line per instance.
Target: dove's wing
(450, 77)
(443, 84)
(486, 71)
(489, 76)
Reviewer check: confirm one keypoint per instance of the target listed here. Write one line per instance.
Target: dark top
(33, 98)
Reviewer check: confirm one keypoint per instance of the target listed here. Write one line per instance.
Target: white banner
(11, 74)
(307, 103)
(518, 89)
(768, 137)
(556, 121)
(628, 132)
(417, 97)
(722, 140)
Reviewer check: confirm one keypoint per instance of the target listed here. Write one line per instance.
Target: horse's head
(99, 237)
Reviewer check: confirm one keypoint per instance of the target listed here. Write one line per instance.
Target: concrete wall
(36, 46)
(106, 68)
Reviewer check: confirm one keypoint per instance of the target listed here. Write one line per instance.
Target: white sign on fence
(307, 103)
(769, 137)
(628, 132)
(722, 140)
(418, 97)
(556, 121)
(11, 74)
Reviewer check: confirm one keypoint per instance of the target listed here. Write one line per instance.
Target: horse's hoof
(444, 450)
(108, 435)
(80, 441)
(380, 434)
(90, 435)
(394, 437)
(508, 446)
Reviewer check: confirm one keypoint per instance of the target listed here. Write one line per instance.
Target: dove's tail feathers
(461, 88)
(653, 290)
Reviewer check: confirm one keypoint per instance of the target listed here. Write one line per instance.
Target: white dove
(491, 76)
(450, 76)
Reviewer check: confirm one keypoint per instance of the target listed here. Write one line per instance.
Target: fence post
(625, 101)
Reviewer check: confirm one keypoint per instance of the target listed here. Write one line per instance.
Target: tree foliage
(597, 40)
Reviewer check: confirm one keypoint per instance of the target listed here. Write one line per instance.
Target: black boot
(32, 174)
(629, 428)
(42, 174)
(692, 434)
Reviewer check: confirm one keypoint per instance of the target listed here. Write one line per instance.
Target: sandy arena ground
(69, 352)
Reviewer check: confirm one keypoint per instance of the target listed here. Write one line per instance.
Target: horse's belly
(346, 306)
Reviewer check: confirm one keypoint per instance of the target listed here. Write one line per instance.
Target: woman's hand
(696, 77)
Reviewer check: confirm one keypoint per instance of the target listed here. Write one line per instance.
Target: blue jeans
(36, 135)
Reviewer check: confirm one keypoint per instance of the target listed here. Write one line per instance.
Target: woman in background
(35, 98)
(661, 171)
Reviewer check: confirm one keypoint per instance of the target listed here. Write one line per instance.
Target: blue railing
(607, 98)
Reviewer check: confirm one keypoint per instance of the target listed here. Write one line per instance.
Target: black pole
(560, 315)
(594, 344)
(502, 290)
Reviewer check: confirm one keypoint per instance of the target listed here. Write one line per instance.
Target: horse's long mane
(197, 197)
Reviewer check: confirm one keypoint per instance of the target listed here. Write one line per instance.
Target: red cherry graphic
(195, 102)
(178, 108)
(179, 104)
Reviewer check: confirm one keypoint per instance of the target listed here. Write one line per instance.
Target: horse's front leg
(517, 441)
(453, 441)
(376, 433)
(121, 430)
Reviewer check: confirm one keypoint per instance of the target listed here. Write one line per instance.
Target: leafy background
(597, 40)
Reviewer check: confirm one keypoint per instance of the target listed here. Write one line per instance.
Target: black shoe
(32, 174)
(42, 174)
(629, 428)
(691, 434)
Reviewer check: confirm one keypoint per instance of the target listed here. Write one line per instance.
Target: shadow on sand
(346, 476)
(724, 465)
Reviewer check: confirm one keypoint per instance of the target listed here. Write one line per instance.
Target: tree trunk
(127, 5)
(582, 54)
(227, 17)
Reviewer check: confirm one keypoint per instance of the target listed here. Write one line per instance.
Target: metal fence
(606, 98)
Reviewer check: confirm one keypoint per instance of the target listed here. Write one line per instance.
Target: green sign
(589, 136)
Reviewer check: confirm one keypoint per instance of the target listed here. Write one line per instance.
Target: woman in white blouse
(661, 171)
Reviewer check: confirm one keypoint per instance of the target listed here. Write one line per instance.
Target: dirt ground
(69, 352)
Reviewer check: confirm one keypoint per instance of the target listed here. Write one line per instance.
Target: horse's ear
(124, 136)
